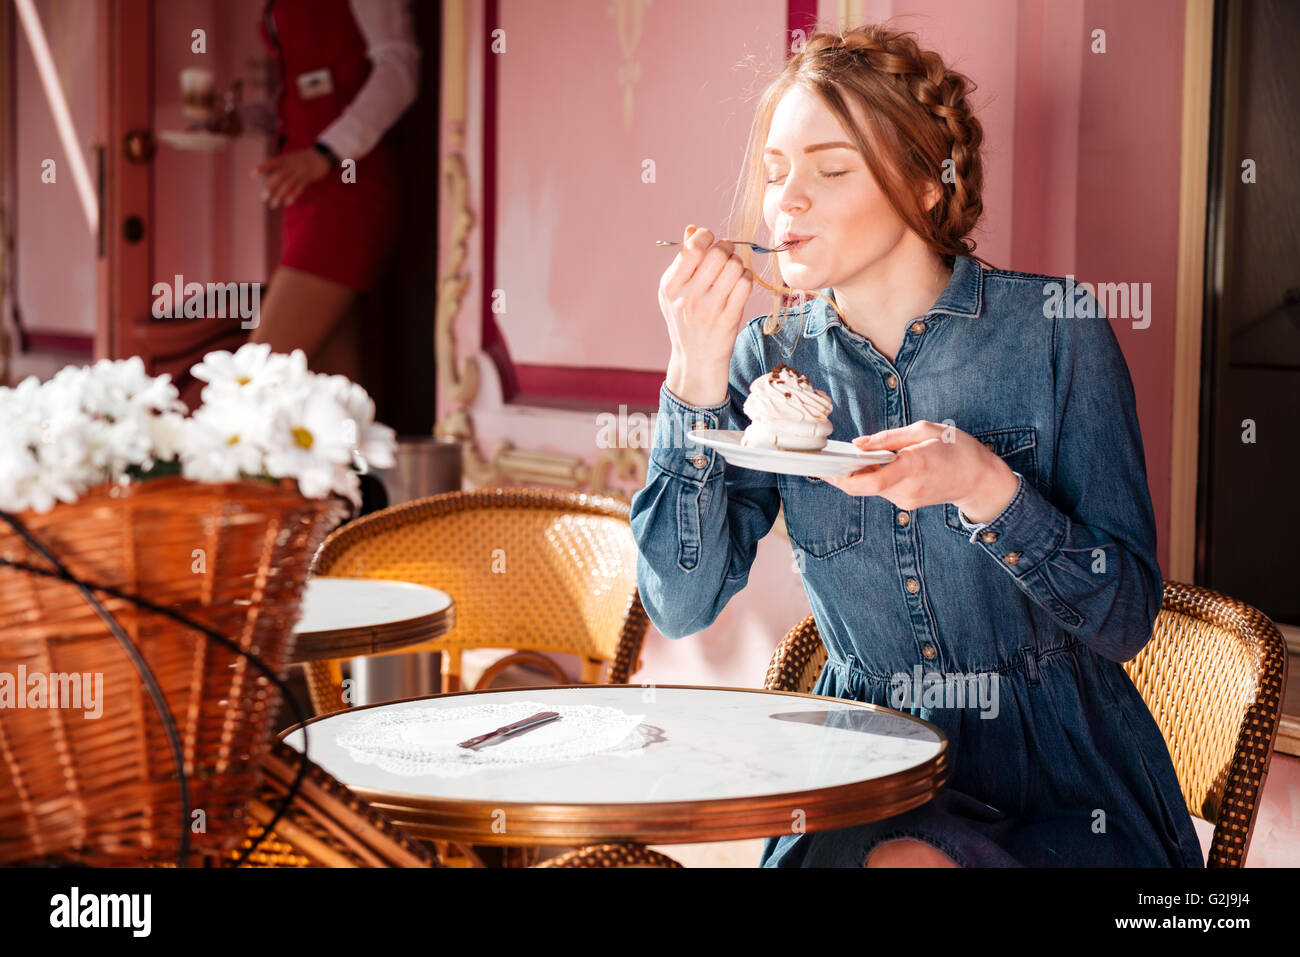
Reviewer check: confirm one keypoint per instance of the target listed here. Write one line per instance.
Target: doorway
(1248, 508)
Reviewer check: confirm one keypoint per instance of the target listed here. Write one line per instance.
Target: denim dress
(1056, 759)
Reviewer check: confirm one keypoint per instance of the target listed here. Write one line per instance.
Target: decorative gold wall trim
(507, 463)
(547, 468)
(526, 467)
(462, 384)
(629, 21)
(627, 464)
(459, 427)
(852, 14)
(1198, 49)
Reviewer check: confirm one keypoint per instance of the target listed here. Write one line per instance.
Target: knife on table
(510, 730)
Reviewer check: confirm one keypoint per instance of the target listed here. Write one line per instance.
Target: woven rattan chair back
(530, 569)
(798, 660)
(612, 855)
(1212, 675)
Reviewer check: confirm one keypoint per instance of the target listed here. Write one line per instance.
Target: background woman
(348, 70)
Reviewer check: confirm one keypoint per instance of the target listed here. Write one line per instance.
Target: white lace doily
(415, 741)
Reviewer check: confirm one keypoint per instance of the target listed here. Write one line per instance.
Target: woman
(1011, 541)
(348, 69)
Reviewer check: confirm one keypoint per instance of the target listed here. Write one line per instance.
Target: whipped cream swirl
(786, 412)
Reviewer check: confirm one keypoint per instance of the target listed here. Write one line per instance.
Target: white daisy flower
(310, 439)
(373, 442)
(220, 442)
(253, 368)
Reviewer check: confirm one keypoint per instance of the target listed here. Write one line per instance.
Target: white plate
(203, 140)
(836, 460)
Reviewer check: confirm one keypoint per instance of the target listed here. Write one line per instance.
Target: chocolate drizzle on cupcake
(781, 367)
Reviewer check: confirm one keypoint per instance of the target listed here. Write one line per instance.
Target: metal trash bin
(424, 466)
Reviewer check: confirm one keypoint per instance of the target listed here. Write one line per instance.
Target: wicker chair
(329, 826)
(1212, 675)
(530, 569)
(533, 570)
(611, 855)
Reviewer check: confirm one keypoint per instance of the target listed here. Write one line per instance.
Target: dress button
(928, 651)
(989, 446)
(903, 518)
(700, 461)
(1011, 558)
(892, 380)
(912, 585)
(918, 327)
(700, 425)
(988, 538)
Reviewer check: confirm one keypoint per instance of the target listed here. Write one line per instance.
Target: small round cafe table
(360, 617)
(711, 764)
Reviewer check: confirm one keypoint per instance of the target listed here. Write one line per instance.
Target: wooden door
(172, 212)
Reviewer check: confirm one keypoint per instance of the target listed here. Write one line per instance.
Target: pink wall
(1049, 72)
(1127, 231)
(55, 251)
(1081, 177)
(575, 223)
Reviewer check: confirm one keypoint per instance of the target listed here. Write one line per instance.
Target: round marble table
(360, 617)
(351, 617)
(712, 764)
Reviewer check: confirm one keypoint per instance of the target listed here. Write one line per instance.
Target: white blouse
(393, 83)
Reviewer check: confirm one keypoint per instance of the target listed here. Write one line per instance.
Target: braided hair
(921, 133)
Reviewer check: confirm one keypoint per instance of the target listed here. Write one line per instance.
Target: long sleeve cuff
(1024, 534)
(676, 454)
(974, 527)
(392, 85)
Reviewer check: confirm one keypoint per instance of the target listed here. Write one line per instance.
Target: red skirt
(345, 232)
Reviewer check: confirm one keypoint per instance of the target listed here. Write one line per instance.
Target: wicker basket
(104, 790)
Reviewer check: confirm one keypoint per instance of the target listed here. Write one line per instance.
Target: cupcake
(786, 412)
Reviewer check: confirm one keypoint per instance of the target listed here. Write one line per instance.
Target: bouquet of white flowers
(264, 415)
(186, 541)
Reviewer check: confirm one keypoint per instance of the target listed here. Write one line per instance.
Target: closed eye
(842, 172)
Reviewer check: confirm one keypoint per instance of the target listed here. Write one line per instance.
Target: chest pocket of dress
(1018, 447)
(819, 518)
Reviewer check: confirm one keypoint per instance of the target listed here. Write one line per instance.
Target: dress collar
(963, 296)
